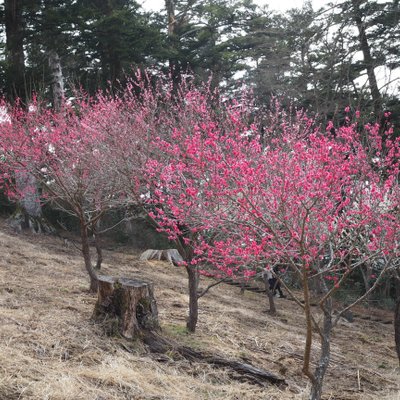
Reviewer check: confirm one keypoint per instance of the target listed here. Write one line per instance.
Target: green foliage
(97, 42)
(113, 37)
(309, 58)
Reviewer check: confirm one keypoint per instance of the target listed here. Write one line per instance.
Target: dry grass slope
(49, 349)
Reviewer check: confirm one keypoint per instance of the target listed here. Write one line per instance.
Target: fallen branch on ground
(249, 373)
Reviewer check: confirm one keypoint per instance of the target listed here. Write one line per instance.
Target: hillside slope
(49, 348)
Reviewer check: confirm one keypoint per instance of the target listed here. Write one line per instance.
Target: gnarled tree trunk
(29, 212)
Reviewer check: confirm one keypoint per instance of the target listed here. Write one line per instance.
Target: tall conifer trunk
(174, 43)
(57, 79)
(15, 70)
(368, 60)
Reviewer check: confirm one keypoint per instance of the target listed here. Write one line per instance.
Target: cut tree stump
(170, 255)
(126, 306)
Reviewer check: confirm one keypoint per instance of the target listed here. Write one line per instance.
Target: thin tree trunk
(270, 295)
(366, 274)
(86, 256)
(386, 289)
(323, 363)
(99, 252)
(309, 338)
(193, 276)
(97, 244)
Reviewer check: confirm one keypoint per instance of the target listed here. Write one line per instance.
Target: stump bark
(126, 306)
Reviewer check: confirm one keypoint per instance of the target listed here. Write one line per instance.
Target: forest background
(343, 54)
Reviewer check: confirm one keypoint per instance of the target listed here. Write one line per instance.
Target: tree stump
(126, 306)
(129, 308)
(170, 255)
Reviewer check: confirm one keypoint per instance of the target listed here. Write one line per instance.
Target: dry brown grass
(50, 349)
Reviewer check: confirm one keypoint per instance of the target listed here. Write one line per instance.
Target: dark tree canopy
(322, 60)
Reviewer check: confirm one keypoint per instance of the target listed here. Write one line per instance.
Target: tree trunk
(99, 252)
(26, 184)
(397, 284)
(397, 327)
(87, 258)
(15, 65)
(174, 64)
(387, 287)
(366, 274)
(30, 201)
(309, 333)
(368, 60)
(126, 306)
(30, 209)
(57, 83)
(97, 244)
(170, 7)
(270, 295)
(193, 276)
(323, 363)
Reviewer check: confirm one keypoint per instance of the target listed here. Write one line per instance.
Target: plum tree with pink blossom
(68, 153)
(191, 114)
(321, 203)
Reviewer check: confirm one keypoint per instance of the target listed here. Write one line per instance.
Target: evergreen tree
(95, 43)
(113, 37)
(14, 50)
(212, 37)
